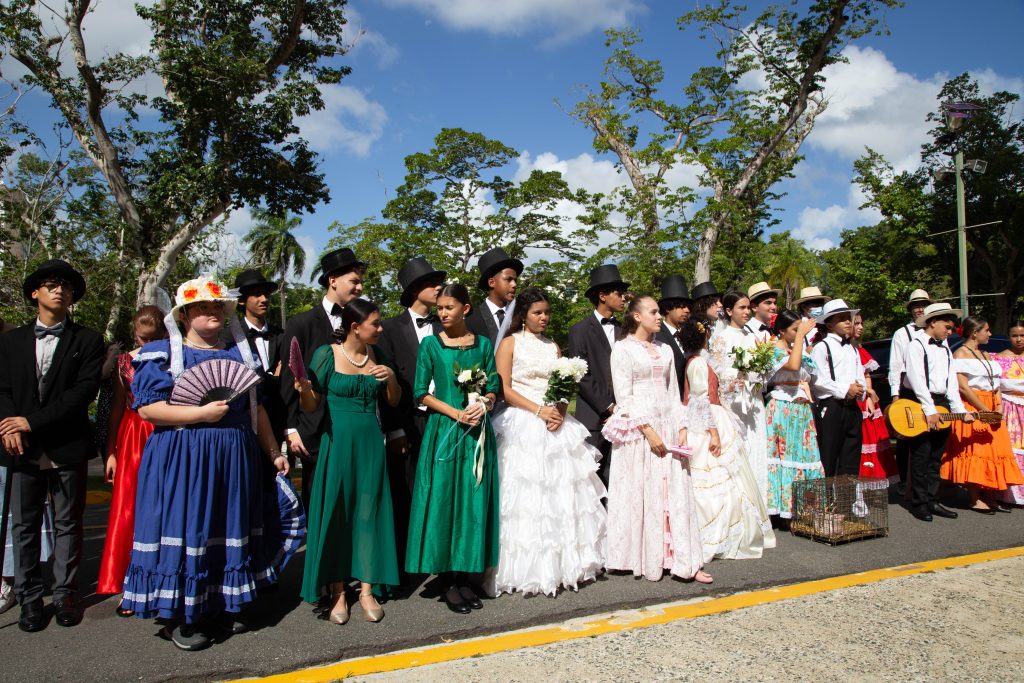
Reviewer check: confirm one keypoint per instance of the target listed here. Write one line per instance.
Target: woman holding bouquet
(652, 519)
(552, 521)
(740, 388)
(453, 525)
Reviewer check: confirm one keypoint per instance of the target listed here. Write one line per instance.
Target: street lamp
(956, 113)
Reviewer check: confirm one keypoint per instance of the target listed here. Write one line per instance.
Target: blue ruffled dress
(210, 528)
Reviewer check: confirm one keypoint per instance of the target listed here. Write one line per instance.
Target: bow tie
(763, 328)
(609, 321)
(262, 334)
(845, 341)
(426, 320)
(42, 331)
(934, 342)
(336, 310)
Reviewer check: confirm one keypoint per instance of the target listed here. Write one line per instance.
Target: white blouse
(981, 374)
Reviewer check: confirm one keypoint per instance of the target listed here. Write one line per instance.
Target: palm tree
(791, 265)
(272, 243)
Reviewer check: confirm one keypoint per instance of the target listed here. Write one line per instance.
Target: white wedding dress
(553, 524)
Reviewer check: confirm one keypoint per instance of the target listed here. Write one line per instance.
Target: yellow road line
(618, 621)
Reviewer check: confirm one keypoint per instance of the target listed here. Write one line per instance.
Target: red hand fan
(295, 362)
(217, 379)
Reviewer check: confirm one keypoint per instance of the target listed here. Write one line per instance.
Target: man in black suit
(342, 279)
(404, 423)
(49, 374)
(674, 305)
(254, 292)
(591, 339)
(499, 274)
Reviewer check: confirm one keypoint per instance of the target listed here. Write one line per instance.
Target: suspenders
(927, 375)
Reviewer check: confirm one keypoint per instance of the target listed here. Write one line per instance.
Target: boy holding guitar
(930, 380)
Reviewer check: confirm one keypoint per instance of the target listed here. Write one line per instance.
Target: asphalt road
(288, 635)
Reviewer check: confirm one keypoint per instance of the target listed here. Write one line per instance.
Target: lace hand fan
(217, 379)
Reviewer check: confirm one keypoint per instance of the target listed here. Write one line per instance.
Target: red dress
(877, 455)
(131, 439)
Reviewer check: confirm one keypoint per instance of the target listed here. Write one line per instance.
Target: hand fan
(217, 379)
(295, 362)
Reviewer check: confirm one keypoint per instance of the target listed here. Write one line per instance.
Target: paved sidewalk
(961, 624)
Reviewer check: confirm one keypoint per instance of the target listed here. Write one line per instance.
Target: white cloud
(819, 228)
(359, 37)
(562, 19)
(350, 120)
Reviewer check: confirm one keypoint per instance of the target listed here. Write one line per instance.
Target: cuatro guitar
(906, 418)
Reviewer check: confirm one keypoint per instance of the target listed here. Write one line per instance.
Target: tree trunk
(284, 310)
(115, 310)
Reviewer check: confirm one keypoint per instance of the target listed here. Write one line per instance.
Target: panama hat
(811, 294)
(936, 311)
(760, 290)
(836, 307)
(918, 296)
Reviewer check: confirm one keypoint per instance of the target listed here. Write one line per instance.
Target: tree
(273, 245)
(790, 265)
(454, 206)
(223, 135)
(741, 140)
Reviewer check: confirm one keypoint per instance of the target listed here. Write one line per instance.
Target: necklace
(359, 364)
(200, 346)
(988, 367)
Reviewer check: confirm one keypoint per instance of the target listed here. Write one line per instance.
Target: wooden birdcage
(840, 509)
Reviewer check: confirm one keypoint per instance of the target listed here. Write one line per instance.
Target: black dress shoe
(940, 511)
(68, 611)
(33, 617)
(922, 514)
(470, 597)
(983, 511)
(459, 607)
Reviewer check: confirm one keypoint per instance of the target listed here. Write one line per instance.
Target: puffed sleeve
(779, 358)
(493, 380)
(320, 366)
(152, 382)
(624, 425)
(425, 359)
(697, 413)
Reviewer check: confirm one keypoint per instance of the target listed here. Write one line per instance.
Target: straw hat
(199, 290)
(761, 289)
(836, 307)
(935, 311)
(918, 296)
(811, 294)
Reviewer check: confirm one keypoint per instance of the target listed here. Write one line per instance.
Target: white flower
(465, 376)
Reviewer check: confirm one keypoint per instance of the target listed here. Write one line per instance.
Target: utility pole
(961, 231)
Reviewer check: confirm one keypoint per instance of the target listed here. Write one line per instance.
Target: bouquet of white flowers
(471, 380)
(755, 364)
(565, 375)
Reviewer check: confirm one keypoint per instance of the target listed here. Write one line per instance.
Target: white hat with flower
(199, 290)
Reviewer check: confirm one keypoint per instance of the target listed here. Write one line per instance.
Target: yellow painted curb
(617, 622)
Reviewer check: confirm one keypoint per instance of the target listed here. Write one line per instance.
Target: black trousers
(926, 453)
(402, 478)
(597, 440)
(30, 486)
(839, 436)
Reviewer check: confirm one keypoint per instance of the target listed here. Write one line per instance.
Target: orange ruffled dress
(131, 439)
(979, 453)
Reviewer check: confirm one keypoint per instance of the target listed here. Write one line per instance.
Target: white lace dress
(734, 522)
(553, 525)
(743, 399)
(652, 521)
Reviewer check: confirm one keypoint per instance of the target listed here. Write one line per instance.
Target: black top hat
(674, 287)
(704, 289)
(248, 279)
(494, 261)
(58, 269)
(338, 262)
(414, 272)
(605, 276)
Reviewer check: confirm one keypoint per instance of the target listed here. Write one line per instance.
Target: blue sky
(499, 67)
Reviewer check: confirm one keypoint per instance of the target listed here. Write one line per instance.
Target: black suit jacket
(679, 358)
(313, 329)
(272, 401)
(400, 348)
(588, 341)
(482, 322)
(59, 418)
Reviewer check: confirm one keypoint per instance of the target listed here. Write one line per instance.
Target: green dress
(453, 525)
(350, 528)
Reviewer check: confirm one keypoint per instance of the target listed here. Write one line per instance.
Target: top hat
(704, 289)
(248, 279)
(918, 296)
(605, 276)
(811, 294)
(674, 287)
(58, 269)
(338, 262)
(936, 310)
(836, 307)
(415, 271)
(495, 261)
(760, 290)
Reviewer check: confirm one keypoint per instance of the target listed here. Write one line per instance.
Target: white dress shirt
(609, 330)
(671, 332)
(494, 308)
(262, 345)
(940, 377)
(335, 319)
(754, 327)
(897, 355)
(846, 368)
(45, 350)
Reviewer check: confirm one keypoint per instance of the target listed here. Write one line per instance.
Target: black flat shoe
(458, 607)
(68, 611)
(940, 511)
(470, 597)
(922, 514)
(983, 511)
(33, 617)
